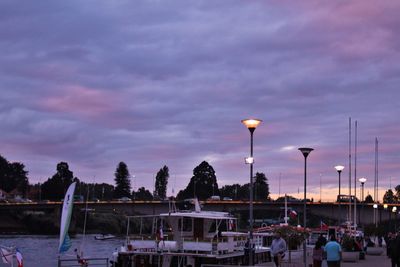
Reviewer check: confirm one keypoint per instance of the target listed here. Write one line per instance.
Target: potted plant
(294, 237)
(349, 252)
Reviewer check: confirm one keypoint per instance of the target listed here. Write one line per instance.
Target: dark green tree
(230, 191)
(397, 192)
(202, 185)
(389, 197)
(122, 181)
(13, 176)
(56, 186)
(261, 187)
(160, 186)
(369, 199)
(142, 194)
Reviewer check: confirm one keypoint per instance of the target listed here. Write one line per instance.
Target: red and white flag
(293, 214)
(324, 226)
(20, 261)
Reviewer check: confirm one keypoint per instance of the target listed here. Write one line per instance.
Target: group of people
(331, 251)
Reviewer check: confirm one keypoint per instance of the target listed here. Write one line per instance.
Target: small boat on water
(188, 238)
(104, 237)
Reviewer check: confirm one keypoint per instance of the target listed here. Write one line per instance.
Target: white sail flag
(6, 255)
(65, 242)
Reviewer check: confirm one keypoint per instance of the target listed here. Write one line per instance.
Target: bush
(348, 243)
(293, 236)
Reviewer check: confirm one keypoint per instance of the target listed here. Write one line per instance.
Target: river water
(41, 251)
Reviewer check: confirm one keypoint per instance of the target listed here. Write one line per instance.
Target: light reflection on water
(41, 251)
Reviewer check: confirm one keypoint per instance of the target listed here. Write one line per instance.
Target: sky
(154, 83)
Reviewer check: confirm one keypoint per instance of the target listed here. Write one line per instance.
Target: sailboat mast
(355, 173)
(349, 215)
(84, 222)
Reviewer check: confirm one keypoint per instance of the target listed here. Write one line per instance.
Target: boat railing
(104, 262)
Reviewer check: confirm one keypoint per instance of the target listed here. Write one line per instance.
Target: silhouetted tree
(369, 199)
(203, 183)
(122, 181)
(244, 192)
(160, 191)
(261, 187)
(389, 197)
(142, 194)
(230, 191)
(56, 186)
(397, 192)
(13, 176)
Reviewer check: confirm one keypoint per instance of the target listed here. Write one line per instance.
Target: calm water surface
(41, 251)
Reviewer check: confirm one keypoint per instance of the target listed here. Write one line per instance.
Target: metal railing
(84, 262)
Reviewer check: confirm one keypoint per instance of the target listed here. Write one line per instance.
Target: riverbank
(41, 223)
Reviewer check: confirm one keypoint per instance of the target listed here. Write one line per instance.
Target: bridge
(328, 210)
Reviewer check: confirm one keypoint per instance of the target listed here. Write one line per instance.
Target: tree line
(203, 184)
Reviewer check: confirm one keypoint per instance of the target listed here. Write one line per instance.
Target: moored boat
(188, 238)
(104, 237)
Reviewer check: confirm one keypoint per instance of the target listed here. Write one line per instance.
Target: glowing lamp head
(249, 160)
(251, 124)
(385, 206)
(362, 180)
(339, 168)
(375, 206)
(394, 209)
(305, 151)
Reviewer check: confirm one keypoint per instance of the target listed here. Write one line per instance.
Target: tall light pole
(305, 151)
(339, 169)
(362, 181)
(375, 206)
(251, 124)
(394, 210)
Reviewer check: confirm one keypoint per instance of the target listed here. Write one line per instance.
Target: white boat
(104, 237)
(187, 238)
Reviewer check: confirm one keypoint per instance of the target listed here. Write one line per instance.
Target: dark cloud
(98, 82)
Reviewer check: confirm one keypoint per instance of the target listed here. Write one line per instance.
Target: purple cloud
(153, 84)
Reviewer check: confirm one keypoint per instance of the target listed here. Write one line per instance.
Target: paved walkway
(370, 261)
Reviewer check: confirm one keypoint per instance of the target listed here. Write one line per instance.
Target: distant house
(3, 194)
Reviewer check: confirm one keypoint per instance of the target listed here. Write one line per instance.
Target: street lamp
(375, 206)
(339, 169)
(394, 210)
(362, 181)
(251, 124)
(305, 151)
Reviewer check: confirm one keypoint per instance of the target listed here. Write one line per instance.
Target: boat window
(187, 224)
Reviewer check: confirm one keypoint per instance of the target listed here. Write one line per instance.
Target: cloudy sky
(155, 83)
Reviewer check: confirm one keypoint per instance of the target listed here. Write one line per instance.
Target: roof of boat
(202, 214)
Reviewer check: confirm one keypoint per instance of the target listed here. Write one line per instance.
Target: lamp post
(362, 181)
(251, 124)
(375, 206)
(394, 210)
(385, 208)
(339, 169)
(305, 151)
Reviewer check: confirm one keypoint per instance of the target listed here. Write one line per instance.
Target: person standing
(318, 252)
(278, 249)
(394, 250)
(333, 252)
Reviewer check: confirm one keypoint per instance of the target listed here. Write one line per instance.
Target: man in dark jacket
(395, 250)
